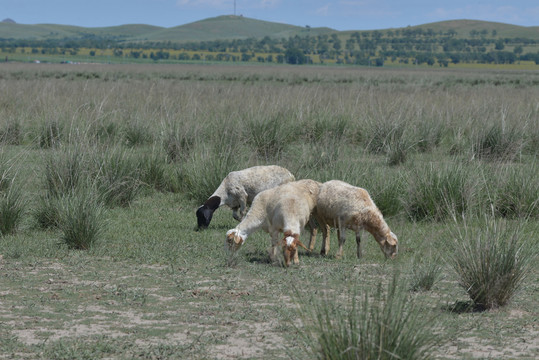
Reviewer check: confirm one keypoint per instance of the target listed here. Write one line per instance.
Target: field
(103, 166)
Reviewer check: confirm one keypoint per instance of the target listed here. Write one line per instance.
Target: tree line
(417, 46)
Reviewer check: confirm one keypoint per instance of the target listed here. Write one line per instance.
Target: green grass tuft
(492, 260)
(12, 205)
(81, 218)
(383, 325)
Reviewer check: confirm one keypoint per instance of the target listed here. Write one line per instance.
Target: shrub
(11, 209)
(386, 188)
(491, 261)
(438, 193)
(11, 133)
(50, 135)
(386, 325)
(326, 126)
(425, 274)
(154, 171)
(117, 178)
(269, 137)
(137, 133)
(206, 167)
(104, 131)
(64, 171)
(497, 143)
(81, 218)
(178, 144)
(517, 192)
(47, 212)
(430, 135)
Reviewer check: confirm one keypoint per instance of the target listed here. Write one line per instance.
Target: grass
(12, 206)
(425, 274)
(81, 218)
(148, 285)
(492, 261)
(384, 325)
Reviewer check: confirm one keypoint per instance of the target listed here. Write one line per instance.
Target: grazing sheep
(286, 208)
(239, 188)
(344, 206)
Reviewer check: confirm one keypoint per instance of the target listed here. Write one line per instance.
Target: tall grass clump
(269, 136)
(389, 139)
(517, 191)
(430, 135)
(65, 169)
(81, 218)
(384, 325)
(116, 177)
(104, 131)
(11, 209)
(498, 143)
(156, 173)
(11, 133)
(46, 213)
(178, 143)
(202, 172)
(386, 187)
(491, 260)
(50, 134)
(326, 126)
(437, 193)
(425, 274)
(137, 133)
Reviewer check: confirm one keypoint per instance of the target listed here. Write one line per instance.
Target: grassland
(443, 154)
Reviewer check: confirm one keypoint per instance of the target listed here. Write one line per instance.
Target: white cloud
(323, 11)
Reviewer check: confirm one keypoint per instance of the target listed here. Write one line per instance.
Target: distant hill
(8, 20)
(230, 27)
(464, 27)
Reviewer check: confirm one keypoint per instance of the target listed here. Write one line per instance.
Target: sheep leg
(274, 249)
(358, 241)
(314, 232)
(342, 238)
(325, 240)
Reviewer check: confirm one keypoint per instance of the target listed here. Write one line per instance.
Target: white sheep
(238, 189)
(284, 209)
(344, 206)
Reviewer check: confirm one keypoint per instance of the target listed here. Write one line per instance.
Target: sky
(335, 14)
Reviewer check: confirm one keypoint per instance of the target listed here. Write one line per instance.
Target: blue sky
(337, 14)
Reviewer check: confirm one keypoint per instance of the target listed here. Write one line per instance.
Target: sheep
(238, 190)
(286, 208)
(344, 206)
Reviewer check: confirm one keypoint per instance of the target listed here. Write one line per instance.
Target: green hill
(230, 27)
(465, 27)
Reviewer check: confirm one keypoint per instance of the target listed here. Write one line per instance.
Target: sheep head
(205, 212)
(290, 246)
(390, 245)
(234, 239)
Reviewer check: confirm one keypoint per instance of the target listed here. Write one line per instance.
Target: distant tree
(295, 56)
(518, 50)
(499, 44)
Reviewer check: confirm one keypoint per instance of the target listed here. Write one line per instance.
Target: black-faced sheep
(238, 190)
